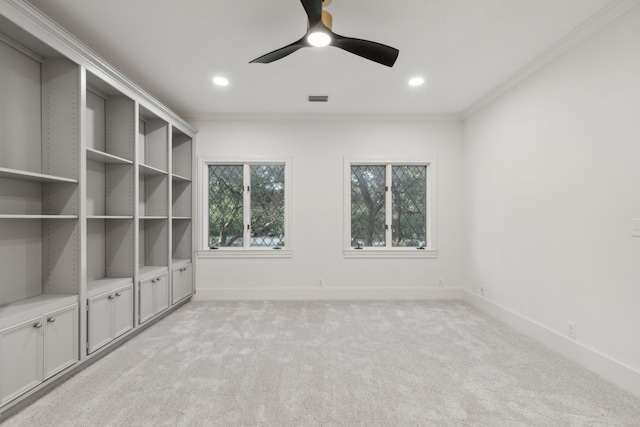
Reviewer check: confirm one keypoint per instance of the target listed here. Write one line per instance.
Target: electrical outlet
(320, 282)
(571, 329)
(635, 227)
(440, 282)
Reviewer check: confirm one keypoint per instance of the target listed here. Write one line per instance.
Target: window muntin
(246, 205)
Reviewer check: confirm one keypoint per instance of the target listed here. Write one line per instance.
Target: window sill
(390, 253)
(245, 253)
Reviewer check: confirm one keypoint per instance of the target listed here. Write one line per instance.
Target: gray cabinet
(181, 282)
(20, 354)
(35, 349)
(110, 314)
(154, 296)
(60, 340)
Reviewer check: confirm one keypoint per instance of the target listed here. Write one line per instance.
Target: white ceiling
(463, 48)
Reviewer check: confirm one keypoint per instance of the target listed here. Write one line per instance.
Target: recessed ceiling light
(319, 39)
(220, 81)
(416, 81)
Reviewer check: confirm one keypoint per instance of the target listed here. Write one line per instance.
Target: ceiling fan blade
(314, 11)
(282, 52)
(377, 52)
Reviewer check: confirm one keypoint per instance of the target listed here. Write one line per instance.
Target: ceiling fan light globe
(416, 81)
(319, 39)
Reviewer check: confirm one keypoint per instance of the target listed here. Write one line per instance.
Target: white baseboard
(307, 294)
(610, 369)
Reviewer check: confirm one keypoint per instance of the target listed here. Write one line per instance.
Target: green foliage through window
(370, 218)
(367, 205)
(263, 195)
(267, 205)
(226, 224)
(409, 216)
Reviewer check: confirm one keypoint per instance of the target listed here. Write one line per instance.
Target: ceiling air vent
(318, 98)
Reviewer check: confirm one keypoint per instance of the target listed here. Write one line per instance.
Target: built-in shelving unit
(110, 209)
(96, 235)
(181, 215)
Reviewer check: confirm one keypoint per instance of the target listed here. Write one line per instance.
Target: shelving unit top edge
(26, 18)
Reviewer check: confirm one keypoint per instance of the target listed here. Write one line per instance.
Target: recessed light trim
(220, 81)
(319, 39)
(416, 81)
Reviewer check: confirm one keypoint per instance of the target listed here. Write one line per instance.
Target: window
(389, 208)
(246, 205)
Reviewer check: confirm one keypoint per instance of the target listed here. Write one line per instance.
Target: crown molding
(37, 24)
(614, 10)
(324, 117)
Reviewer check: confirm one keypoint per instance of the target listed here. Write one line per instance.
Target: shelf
(178, 262)
(106, 158)
(150, 170)
(151, 270)
(153, 217)
(12, 216)
(25, 309)
(175, 177)
(108, 217)
(100, 286)
(182, 218)
(32, 176)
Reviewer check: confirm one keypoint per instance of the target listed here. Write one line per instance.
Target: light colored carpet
(384, 363)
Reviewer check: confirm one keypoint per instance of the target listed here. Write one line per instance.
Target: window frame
(246, 251)
(389, 251)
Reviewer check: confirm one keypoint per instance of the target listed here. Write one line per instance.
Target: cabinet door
(161, 293)
(99, 329)
(20, 358)
(147, 300)
(181, 283)
(123, 305)
(60, 340)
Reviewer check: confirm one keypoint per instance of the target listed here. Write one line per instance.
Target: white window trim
(430, 250)
(203, 204)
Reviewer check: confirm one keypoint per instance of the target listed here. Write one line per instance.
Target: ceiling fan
(319, 34)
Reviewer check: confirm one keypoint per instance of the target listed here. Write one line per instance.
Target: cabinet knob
(112, 296)
(118, 294)
(51, 319)
(37, 325)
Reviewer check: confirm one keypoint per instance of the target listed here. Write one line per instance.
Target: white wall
(317, 148)
(552, 180)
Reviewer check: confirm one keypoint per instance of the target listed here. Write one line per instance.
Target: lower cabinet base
(37, 392)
